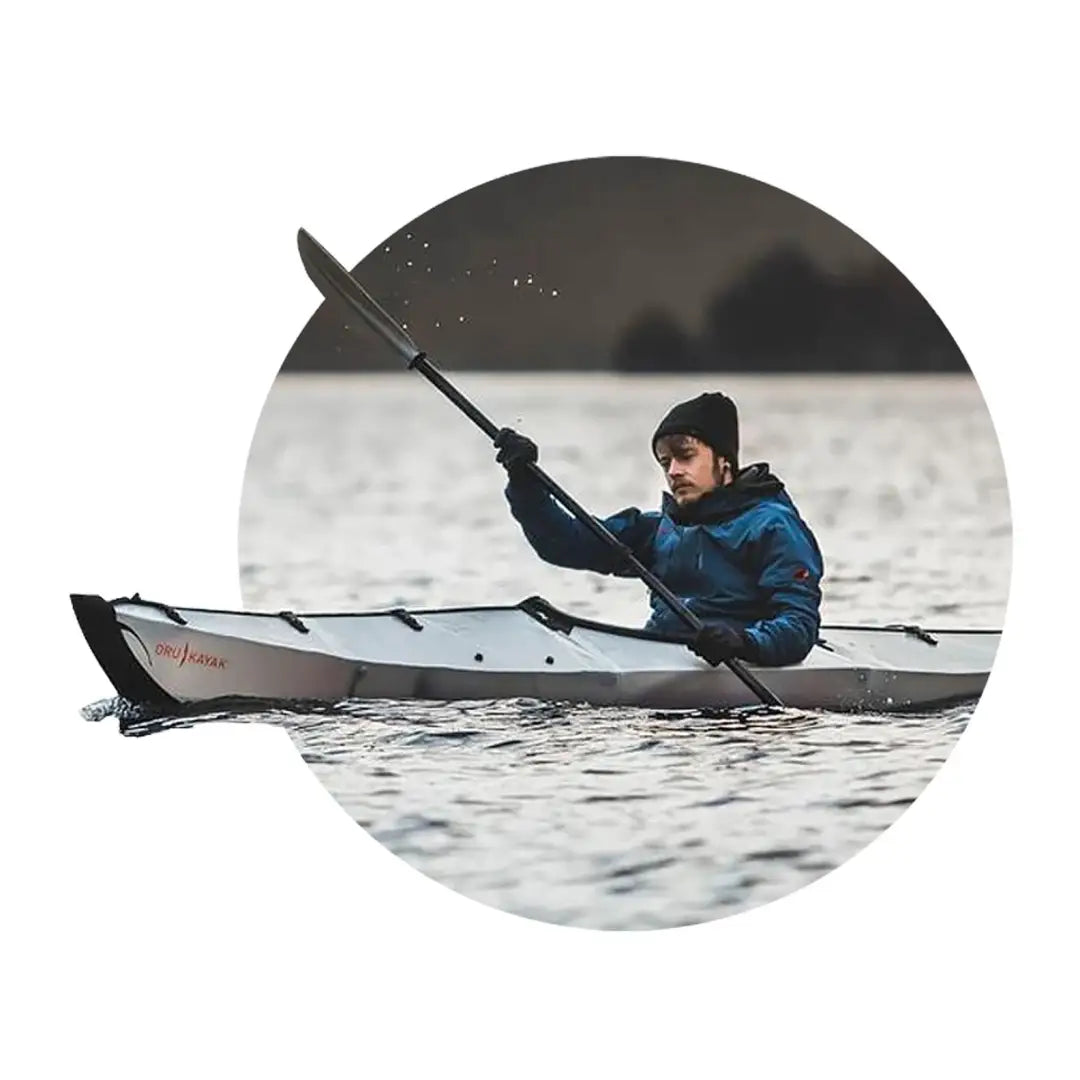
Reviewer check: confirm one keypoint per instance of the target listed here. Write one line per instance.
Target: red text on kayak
(186, 655)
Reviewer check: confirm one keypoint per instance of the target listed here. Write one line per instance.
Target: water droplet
(429, 269)
(468, 273)
(437, 323)
(406, 303)
(554, 292)
(387, 248)
(515, 283)
(461, 318)
(494, 261)
(541, 292)
(528, 280)
(426, 244)
(408, 262)
(408, 236)
(404, 326)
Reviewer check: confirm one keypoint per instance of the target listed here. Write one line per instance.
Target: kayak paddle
(337, 284)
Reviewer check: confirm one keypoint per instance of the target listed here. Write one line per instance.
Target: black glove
(719, 642)
(515, 451)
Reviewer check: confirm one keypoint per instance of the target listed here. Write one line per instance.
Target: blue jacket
(740, 555)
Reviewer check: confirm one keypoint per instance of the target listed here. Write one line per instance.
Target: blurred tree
(881, 322)
(654, 341)
(774, 318)
(785, 314)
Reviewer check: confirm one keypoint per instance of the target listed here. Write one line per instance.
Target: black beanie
(712, 418)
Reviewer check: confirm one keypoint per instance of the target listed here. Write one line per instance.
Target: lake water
(373, 491)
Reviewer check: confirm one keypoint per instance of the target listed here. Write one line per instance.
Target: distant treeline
(633, 265)
(785, 314)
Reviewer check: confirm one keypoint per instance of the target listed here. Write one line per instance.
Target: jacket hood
(752, 484)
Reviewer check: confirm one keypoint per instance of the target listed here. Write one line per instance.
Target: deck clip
(294, 621)
(547, 614)
(914, 631)
(406, 618)
(170, 612)
(823, 644)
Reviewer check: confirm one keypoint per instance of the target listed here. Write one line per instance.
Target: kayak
(156, 654)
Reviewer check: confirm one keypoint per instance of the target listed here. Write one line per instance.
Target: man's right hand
(515, 451)
(719, 642)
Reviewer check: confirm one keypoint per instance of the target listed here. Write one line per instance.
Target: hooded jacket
(741, 555)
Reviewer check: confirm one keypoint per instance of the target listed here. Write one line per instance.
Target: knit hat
(712, 418)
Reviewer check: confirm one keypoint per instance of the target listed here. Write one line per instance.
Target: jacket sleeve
(790, 584)
(561, 539)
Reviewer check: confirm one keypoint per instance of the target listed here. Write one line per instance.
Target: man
(728, 542)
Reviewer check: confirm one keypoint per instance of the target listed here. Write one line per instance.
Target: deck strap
(914, 631)
(294, 621)
(406, 618)
(169, 612)
(550, 616)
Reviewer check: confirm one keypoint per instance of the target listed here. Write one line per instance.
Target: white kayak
(160, 655)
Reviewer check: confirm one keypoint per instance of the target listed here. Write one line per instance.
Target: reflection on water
(608, 818)
(372, 492)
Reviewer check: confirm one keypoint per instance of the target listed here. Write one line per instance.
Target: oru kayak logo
(187, 655)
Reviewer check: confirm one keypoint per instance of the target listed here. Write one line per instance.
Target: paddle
(336, 283)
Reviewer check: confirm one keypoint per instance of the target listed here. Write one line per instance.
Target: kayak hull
(159, 655)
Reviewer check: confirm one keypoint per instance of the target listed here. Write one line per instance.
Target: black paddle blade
(339, 286)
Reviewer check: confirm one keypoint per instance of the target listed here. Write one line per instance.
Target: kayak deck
(157, 654)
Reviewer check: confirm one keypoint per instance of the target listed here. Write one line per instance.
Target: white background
(195, 902)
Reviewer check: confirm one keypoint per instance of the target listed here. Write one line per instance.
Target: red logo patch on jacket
(801, 574)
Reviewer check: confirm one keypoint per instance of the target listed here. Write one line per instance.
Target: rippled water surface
(371, 491)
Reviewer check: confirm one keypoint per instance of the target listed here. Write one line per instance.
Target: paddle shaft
(328, 274)
(422, 364)
(426, 368)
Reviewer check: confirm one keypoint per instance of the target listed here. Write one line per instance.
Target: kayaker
(727, 540)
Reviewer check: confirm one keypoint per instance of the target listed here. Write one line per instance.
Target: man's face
(690, 467)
